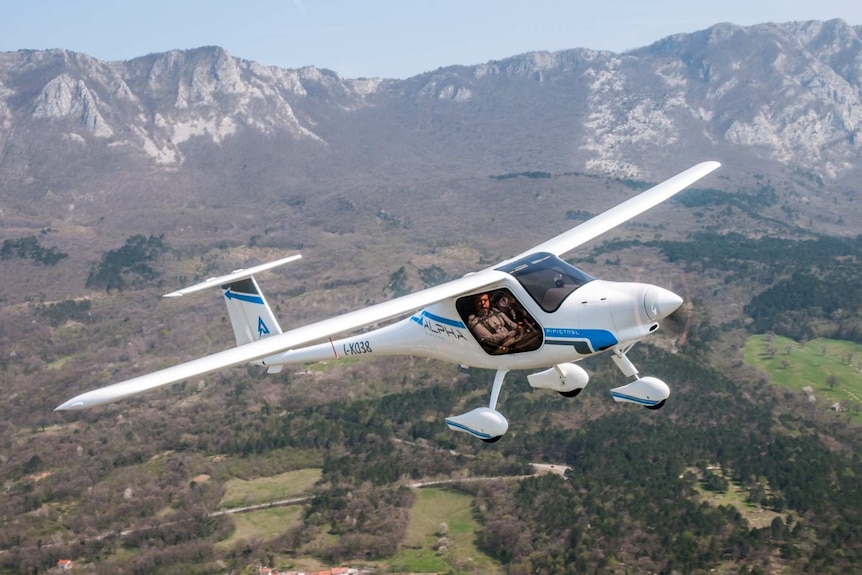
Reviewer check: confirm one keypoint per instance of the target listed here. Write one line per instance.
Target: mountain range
(80, 136)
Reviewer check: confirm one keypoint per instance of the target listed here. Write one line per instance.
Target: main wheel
(658, 405)
(573, 393)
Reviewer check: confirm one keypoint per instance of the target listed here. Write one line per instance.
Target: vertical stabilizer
(250, 315)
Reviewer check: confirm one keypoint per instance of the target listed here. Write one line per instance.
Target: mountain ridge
(156, 103)
(201, 129)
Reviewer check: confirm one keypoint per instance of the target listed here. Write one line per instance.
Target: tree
(130, 260)
(397, 285)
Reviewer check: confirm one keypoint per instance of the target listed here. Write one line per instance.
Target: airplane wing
(314, 332)
(285, 341)
(623, 212)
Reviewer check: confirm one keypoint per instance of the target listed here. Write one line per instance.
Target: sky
(379, 38)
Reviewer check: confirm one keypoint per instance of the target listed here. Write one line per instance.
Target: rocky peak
(67, 98)
(788, 93)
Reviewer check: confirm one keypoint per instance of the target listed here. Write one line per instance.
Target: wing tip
(709, 165)
(71, 405)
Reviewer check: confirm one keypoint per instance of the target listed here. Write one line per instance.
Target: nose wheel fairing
(649, 392)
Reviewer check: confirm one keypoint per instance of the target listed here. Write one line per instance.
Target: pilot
(492, 327)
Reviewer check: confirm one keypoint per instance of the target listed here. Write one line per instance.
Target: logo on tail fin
(262, 330)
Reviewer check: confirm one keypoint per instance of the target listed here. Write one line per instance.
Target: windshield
(548, 279)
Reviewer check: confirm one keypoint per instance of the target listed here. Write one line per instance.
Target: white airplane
(529, 312)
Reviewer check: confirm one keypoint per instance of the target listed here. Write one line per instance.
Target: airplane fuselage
(588, 318)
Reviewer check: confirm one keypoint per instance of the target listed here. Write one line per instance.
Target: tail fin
(250, 315)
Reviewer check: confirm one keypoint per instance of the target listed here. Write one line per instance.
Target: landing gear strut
(649, 392)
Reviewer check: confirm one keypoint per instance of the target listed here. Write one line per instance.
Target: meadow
(239, 492)
(434, 507)
(830, 368)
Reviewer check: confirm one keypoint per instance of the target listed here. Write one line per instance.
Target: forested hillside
(628, 500)
(733, 473)
(635, 496)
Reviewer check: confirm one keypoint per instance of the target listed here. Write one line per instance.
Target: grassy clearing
(434, 506)
(265, 464)
(814, 364)
(264, 524)
(757, 516)
(58, 363)
(239, 492)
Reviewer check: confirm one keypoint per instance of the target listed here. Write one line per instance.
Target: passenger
(513, 310)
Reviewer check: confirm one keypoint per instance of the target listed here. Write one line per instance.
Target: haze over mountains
(773, 99)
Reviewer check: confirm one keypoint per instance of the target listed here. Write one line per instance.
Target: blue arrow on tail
(262, 330)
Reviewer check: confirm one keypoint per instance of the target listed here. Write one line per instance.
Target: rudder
(250, 314)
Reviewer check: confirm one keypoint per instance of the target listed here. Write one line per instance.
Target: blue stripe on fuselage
(599, 338)
(438, 319)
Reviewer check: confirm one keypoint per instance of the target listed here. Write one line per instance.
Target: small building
(64, 564)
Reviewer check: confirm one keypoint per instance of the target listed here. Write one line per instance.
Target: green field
(264, 524)
(239, 492)
(434, 506)
(829, 367)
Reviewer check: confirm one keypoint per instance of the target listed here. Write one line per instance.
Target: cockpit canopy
(548, 279)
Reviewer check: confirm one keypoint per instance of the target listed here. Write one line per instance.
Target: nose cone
(660, 303)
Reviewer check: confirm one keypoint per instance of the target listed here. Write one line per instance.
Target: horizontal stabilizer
(232, 277)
